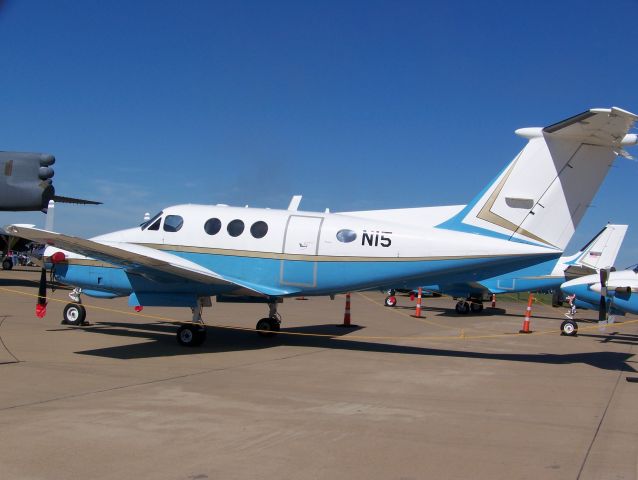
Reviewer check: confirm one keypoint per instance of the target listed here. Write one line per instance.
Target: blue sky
(355, 105)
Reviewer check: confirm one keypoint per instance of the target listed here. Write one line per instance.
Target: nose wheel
(390, 301)
(73, 314)
(569, 328)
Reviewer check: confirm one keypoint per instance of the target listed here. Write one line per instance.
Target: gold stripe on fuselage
(280, 256)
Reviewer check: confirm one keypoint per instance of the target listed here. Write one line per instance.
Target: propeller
(41, 306)
(602, 307)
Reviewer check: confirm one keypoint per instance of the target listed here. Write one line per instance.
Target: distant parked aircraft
(600, 252)
(613, 293)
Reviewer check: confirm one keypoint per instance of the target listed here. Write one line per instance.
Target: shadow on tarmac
(487, 312)
(162, 344)
(18, 282)
(613, 337)
(21, 282)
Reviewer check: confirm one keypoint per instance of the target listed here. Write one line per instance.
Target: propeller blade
(41, 307)
(602, 307)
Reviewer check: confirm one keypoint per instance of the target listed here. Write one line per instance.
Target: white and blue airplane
(599, 253)
(186, 254)
(613, 293)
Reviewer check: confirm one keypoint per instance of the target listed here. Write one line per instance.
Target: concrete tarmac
(445, 396)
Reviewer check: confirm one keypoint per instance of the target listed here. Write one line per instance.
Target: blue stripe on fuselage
(331, 276)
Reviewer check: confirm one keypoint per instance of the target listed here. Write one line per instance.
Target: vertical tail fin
(602, 250)
(544, 192)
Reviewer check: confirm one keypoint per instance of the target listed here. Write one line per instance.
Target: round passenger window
(259, 229)
(346, 235)
(235, 228)
(213, 226)
(173, 223)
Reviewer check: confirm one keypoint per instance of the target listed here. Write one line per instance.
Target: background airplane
(188, 253)
(611, 293)
(26, 185)
(26, 182)
(600, 252)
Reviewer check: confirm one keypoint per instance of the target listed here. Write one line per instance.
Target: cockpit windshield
(144, 225)
(633, 267)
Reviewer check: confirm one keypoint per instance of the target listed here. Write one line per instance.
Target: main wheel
(7, 264)
(476, 307)
(267, 326)
(390, 301)
(569, 328)
(74, 314)
(191, 335)
(462, 307)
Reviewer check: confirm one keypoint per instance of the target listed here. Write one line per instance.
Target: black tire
(462, 307)
(390, 301)
(476, 307)
(267, 326)
(7, 264)
(569, 328)
(191, 335)
(73, 314)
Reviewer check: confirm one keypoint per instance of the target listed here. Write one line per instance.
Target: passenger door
(301, 244)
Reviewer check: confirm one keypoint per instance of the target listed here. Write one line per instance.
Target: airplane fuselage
(286, 252)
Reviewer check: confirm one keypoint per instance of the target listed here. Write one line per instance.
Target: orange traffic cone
(528, 314)
(346, 314)
(417, 312)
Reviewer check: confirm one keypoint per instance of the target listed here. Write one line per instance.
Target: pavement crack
(17, 360)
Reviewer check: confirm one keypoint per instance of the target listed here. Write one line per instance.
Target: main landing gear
(194, 334)
(470, 305)
(267, 327)
(74, 313)
(189, 334)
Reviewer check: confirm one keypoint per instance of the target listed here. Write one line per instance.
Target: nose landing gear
(74, 313)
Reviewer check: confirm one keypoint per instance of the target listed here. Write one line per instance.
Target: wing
(138, 259)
